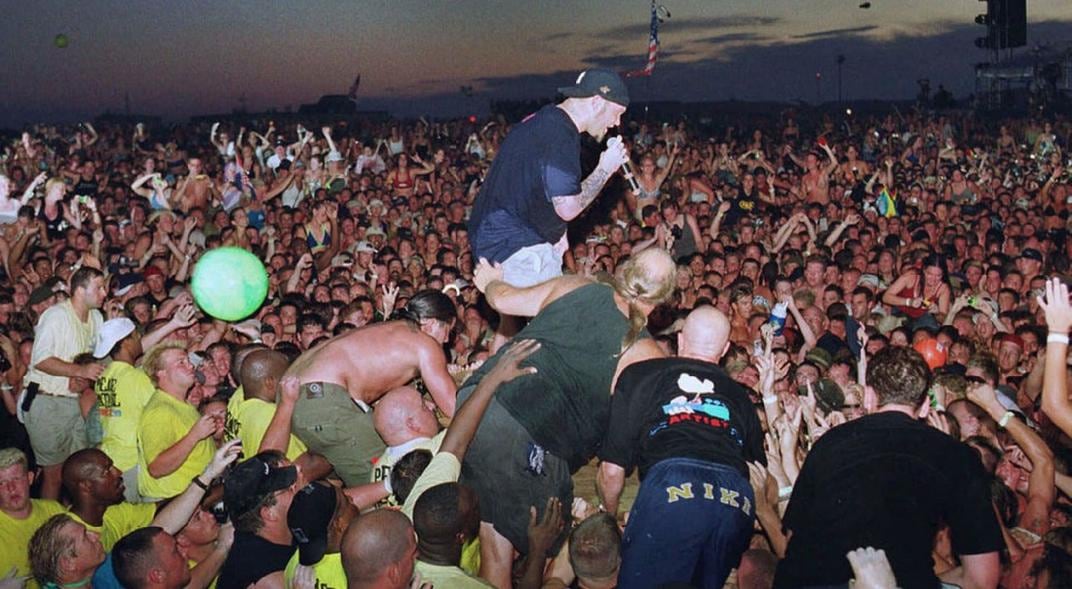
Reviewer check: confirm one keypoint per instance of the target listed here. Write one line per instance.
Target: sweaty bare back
(368, 361)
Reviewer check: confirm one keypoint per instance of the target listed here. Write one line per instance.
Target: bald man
(406, 422)
(690, 429)
(265, 425)
(379, 550)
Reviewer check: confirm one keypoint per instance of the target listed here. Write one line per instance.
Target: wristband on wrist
(197, 481)
(769, 399)
(1057, 338)
(1004, 421)
(785, 492)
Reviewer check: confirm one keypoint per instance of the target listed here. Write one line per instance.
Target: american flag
(653, 46)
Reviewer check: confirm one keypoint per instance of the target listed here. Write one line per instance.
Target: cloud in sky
(843, 32)
(691, 25)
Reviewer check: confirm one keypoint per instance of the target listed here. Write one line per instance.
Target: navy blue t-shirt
(540, 159)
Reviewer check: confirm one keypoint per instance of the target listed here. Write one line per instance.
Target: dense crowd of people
(823, 338)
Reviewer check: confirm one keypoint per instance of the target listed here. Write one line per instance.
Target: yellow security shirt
(329, 572)
(231, 423)
(119, 520)
(381, 467)
(15, 537)
(254, 417)
(164, 421)
(448, 576)
(193, 565)
(122, 392)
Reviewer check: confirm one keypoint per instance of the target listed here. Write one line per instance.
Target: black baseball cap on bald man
(598, 82)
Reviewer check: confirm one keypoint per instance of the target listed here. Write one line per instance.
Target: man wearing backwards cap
(123, 390)
(318, 518)
(534, 186)
(258, 494)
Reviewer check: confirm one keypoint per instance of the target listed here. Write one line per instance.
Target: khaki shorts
(335, 426)
(532, 265)
(56, 428)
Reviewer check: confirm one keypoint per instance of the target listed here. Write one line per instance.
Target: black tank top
(55, 228)
(251, 559)
(565, 406)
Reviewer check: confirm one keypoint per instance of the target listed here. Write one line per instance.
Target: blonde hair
(48, 546)
(647, 277)
(12, 456)
(152, 363)
(52, 183)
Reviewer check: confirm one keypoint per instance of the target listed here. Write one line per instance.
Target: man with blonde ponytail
(542, 427)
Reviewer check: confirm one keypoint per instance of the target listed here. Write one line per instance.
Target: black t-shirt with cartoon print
(681, 408)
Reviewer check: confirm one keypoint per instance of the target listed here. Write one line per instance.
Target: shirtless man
(339, 383)
(197, 190)
(815, 184)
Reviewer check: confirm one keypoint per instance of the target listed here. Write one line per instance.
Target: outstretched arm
(520, 302)
(1055, 403)
(467, 419)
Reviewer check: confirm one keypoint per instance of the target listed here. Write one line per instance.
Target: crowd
(823, 338)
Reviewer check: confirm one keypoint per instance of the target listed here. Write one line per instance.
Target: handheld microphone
(627, 168)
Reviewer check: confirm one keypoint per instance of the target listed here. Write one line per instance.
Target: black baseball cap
(598, 82)
(252, 481)
(308, 519)
(1031, 254)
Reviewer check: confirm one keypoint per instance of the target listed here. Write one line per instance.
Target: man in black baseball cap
(258, 494)
(535, 187)
(597, 82)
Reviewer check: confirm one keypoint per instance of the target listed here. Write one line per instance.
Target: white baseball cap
(112, 332)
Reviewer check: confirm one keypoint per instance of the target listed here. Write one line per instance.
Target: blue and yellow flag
(886, 203)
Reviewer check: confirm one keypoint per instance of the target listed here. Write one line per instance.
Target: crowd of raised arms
(128, 459)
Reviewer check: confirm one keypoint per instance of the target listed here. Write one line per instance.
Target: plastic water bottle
(777, 317)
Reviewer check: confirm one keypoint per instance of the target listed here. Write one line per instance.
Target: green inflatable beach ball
(229, 283)
(60, 41)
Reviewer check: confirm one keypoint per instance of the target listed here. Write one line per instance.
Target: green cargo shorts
(340, 429)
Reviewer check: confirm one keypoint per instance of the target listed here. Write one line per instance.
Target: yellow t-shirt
(231, 425)
(15, 537)
(449, 576)
(381, 467)
(444, 468)
(254, 417)
(193, 565)
(119, 520)
(329, 572)
(122, 392)
(164, 421)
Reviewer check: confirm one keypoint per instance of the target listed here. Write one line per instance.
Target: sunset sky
(177, 58)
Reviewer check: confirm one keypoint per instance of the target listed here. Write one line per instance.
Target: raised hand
(1054, 303)
(509, 366)
(224, 456)
(390, 295)
(205, 427)
(290, 389)
(871, 569)
(543, 531)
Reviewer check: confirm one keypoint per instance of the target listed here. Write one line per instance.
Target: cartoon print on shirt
(698, 409)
